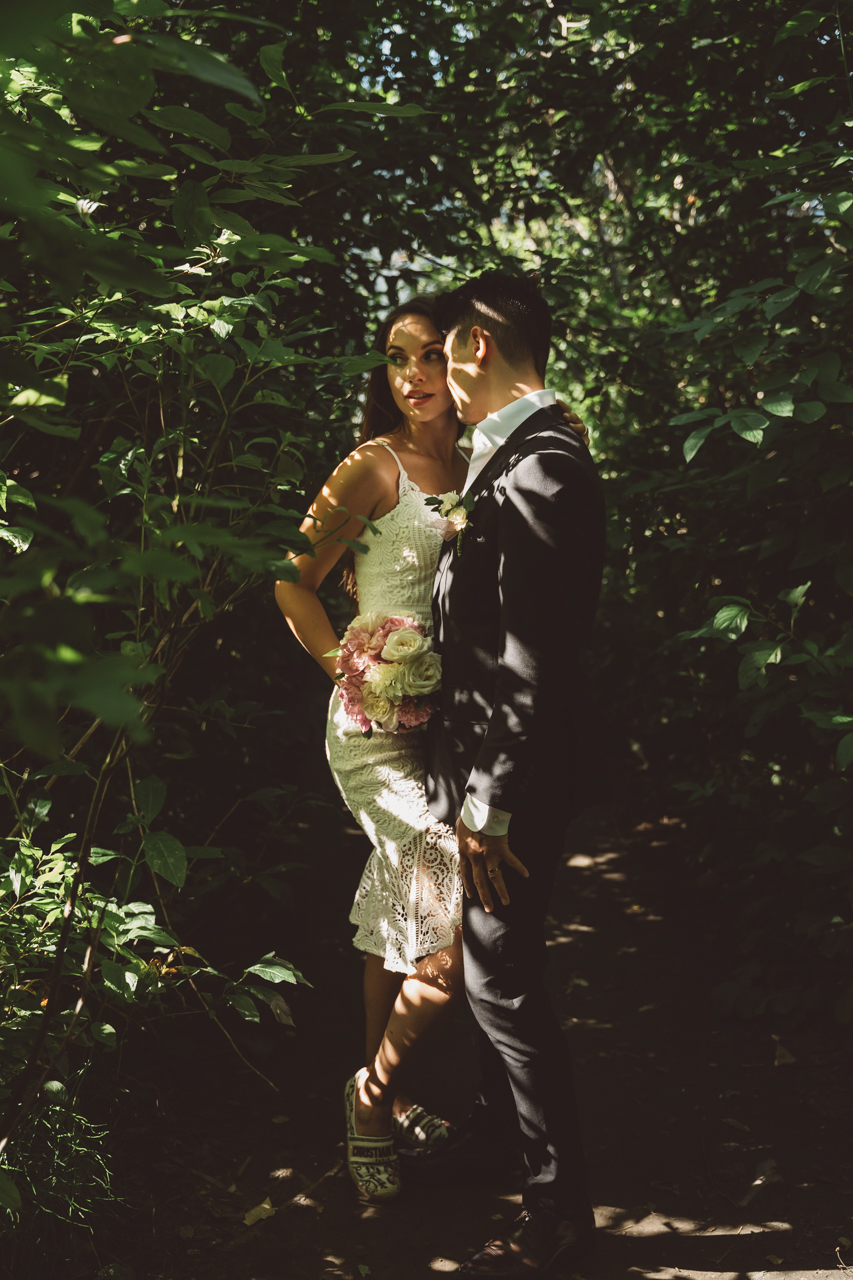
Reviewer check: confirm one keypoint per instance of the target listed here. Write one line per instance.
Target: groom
(511, 612)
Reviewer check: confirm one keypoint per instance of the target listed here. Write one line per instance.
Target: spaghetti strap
(394, 456)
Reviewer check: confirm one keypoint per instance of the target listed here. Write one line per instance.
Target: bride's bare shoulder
(367, 464)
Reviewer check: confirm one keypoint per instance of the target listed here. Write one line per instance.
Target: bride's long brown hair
(381, 416)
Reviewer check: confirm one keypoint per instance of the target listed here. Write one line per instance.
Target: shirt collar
(499, 426)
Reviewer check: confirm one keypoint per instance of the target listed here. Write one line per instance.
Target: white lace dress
(409, 901)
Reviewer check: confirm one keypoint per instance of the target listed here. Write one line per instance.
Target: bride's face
(417, 373)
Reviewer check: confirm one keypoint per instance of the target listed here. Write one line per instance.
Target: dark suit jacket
(510, 615)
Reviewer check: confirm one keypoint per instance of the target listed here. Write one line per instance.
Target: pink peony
(413, 714)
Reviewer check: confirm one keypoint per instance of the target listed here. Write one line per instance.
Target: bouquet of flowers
(387, 671)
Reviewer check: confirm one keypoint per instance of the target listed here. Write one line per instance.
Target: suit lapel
(496, 465)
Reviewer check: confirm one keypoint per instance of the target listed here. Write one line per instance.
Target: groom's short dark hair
(511, 308)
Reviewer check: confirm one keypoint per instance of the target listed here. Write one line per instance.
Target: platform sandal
(417, 1130)
(372, 1162)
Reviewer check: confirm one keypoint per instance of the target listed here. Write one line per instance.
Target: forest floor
(706, 1159)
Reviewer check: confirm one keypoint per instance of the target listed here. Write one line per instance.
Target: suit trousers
(526, 1086)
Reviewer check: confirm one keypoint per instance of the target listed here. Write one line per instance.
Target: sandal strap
(419, 1127)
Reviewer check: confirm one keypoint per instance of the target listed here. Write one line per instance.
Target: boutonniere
(454, 510)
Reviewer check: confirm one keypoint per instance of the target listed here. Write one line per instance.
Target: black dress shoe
(467, 1157)
(537, 1245)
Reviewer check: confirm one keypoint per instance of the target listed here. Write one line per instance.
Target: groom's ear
(479, 344)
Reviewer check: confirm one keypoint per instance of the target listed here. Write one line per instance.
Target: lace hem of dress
(403, 927)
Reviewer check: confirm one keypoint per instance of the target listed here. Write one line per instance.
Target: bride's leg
(381, 988)
(422, 997)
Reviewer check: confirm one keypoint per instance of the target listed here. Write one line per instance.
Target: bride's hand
(481, 858)
(574, 422)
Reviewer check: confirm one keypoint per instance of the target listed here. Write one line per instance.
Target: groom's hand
(481, 862)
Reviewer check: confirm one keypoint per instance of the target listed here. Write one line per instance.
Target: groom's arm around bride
(512, 611)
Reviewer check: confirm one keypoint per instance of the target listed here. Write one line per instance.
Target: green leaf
(244, 1004)
(378, 108)
(119, 978)
(103, 1032)
(192, 123)
(802, 87)
(150, 797)
(189, 58)
(47, 426)
(779, 403)
(192, 213)
(749, 426)
(271, 57)
(156, 563)
(779, 301)
(217, 369)
(809, 411)
(695, 415)
(166, 855)
(59, 769)
(836, 392)
(844, 754)
(10, 1197)
(276, 970)
(794, 597)
(800, 26)
(695, 440)
(733, 619)
(751, 669)
(19, 539)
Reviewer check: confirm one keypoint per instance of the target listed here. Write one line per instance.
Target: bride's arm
(353, 491)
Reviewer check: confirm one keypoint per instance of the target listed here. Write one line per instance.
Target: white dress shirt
(488, 436)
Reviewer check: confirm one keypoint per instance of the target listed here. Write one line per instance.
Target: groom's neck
(507, 385)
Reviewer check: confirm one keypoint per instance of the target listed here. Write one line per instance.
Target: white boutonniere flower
(454, 509)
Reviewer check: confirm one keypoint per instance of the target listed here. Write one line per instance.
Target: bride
(407, 909)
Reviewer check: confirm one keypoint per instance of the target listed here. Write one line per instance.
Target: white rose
(367, 622)
(404, 645)
(458, 517)
(384, 678)
(422, 676)
(451, 500)
(376, 705)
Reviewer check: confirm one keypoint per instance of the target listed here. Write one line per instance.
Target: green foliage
(204, 214)
(153, 385)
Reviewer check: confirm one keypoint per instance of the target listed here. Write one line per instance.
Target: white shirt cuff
(478, 816)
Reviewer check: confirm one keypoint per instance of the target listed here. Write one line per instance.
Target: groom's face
(465, 352)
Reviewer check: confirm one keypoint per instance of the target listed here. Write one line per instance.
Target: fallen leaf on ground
(736, 1124)
(186, 1233)
(771, 1257)
(783, 1057)
(262, 1210)
(843, 1240)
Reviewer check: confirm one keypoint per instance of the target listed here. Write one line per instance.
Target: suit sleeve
(551, 533)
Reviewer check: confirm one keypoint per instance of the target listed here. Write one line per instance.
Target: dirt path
(706, 1160)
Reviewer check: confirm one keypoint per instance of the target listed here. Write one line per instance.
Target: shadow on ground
(706, 1159)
